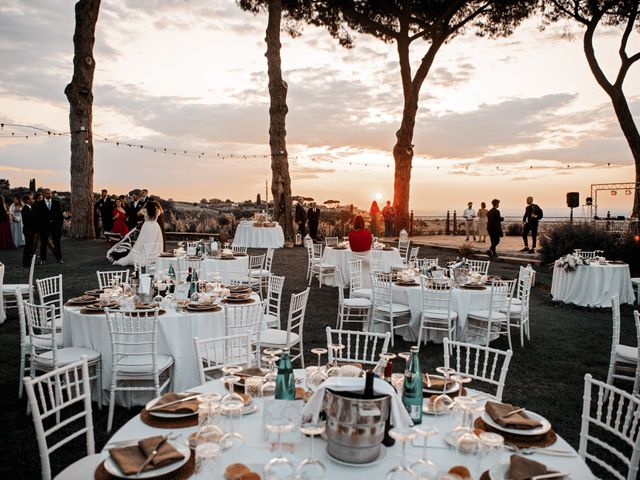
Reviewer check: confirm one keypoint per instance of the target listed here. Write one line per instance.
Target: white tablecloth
(209, 265)
(341, 259)
(462, 301)
(258, 237)
(175, 337)
(592, 285)
(256, 451)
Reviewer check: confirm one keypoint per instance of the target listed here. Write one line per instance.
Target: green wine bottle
(412, 391)
(285, 380)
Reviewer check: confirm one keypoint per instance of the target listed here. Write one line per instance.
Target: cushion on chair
(271, 320)
(362, 293)
(274, 336)
(82, 469)
(357, 302)
(438, 315)
(257, 272)
(516, 301)
(627, 353)
(67, 355)
(141, 364)
(39, 343)
(324, 266)
(484, 315)
(395, 308)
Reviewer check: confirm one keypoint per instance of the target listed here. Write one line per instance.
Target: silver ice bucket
(355, 426)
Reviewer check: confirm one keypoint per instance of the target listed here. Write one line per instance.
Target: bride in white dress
(150, 233)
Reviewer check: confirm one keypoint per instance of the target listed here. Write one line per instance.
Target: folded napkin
(399, 416)
(131, 458)
(146, 306)
(201, 306)
(521, 468)
(190, 406)
(497, 412)
(83, 298)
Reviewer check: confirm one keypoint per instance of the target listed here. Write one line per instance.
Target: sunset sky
(191, 74)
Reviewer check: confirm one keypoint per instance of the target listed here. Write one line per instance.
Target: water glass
(402, 471)
(311, 467)
(492, 446)
(253, 386)
(279, 467)
(206, 459)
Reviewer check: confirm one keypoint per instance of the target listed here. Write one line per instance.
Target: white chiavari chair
(50, 294)
(317, 267)
(9, 290)
(214, 354)
(59, 399)
(149, 256)
(185, 263)
(519, 312)
(376, 262)
(360, 347)
(485, 364)
(264, 271)
(351, 310)
(256, 264)
(137, 260)
(427, 263)
(403, 249)
(273, 301)
(479, 266)
(523, 273)
(109, 278)
(413, 255)
(437, 315)
(610, 419)
(331, 241)
(241, 249)
(135, 357)
(494, 321)
(311, 256)
(238, 319)
(384, 310)
(292, 337)
(356, 288)
(588, 255)
(623, 360)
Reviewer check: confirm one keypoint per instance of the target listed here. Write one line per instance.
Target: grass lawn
(546, 375)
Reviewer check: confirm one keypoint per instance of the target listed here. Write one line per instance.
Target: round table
(592, 285)
(248, 235)
(176, 331)
(208, 265)
(255, 453)
(340, 257)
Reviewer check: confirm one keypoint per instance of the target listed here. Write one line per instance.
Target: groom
(48, 214)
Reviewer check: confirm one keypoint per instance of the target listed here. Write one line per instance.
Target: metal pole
(455, 223)
(447, 230)
(411, 225)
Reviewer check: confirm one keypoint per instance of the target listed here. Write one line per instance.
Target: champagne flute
(311, 467)
(423, 467)
(402, 471)
(269, 386)
(492, 446)
(231, 405)
(279, 467)
(336, 348)
(319, 375)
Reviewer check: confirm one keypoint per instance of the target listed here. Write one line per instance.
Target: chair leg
(112, 404)
(509, 335)
(22, 366)
(99, 378)
(521, 334)
(420, 334)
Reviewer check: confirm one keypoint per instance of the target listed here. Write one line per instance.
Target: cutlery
(175, 402)
(428, 380)
(542, 451)
(134, 441)
(152, 455)
(550, 475)
(517, 410)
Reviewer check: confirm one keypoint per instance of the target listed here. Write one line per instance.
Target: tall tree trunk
(80, 95)
(280, 181)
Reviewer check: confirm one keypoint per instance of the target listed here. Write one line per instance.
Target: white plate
(453, 389)
(502, 469)
(381, 457)
(166, 414)
(428, 410)
(111, 466)
(247, 409)
(546, 426)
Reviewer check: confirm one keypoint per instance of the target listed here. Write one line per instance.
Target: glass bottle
(285, 380)
(412, 391)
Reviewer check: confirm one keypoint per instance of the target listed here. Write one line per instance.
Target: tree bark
(280, 178)
(80, 96)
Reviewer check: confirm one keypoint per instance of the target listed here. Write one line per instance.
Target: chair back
(214, 354)
(24, 332)
(355, 275)
(112, 277)
(268, 261)
(149, 254)
(240, 318)
(422, 263)
(50, 293)
(242, 249)
(615, 336)
(376, 263)
(381, 288)
(41, 328)
(436, 296)
(317, 251)
(481, 363)
(608, 414)
(134, 339)
(413, 255)
(331, 241)
(185, 263)
(361, 347)
(479, 266)
(297, 311)
(137, 260)
(61, 399)
(524, 294)
(501, 291)
(274, 296)
(403, 248)
(256, 262)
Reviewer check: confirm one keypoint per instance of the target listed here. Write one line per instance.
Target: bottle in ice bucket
(285, 381)
(412, 391)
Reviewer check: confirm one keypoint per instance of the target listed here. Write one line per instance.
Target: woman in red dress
(6, 239)
(119, 218)
(359, 237)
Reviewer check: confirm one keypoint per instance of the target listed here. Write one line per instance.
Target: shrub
(465, 250)
(514, 230)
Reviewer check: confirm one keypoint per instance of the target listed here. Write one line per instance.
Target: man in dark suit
(105, 205)
(28, 229)
(133, 208)
(49, 220)
(494, 227)
(300, 218)
(313, 216)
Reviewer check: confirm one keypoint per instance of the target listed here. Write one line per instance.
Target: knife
(152, 455)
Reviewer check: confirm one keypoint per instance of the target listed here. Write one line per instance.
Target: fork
(543, 451)
(152, 455)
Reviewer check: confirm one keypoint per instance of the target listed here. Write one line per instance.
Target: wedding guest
(144, 197)
(359, 237)
(301, 219)
(388, 215)
(482, 222)
(105, 206)
(6, 240)
(374, 211)
(313, 216)
(49, 219)
(133, 208)
(494, 227)
(39, 197)
(15, 212)
(469, 215)
(532, 215)
(28, 230)
(119, 217)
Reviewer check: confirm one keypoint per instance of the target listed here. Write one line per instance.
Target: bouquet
(570, 262)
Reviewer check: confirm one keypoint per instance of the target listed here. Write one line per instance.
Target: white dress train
(150, 232)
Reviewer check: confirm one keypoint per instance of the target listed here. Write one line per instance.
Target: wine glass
(423, 467)
(334, 370)
(402, 471)
(319, 375)
(231, 405)
(492, 446)
(279, 467)
(311, 467)
(210, 431)
(460, 380)
(446, 372)
(269, 386)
